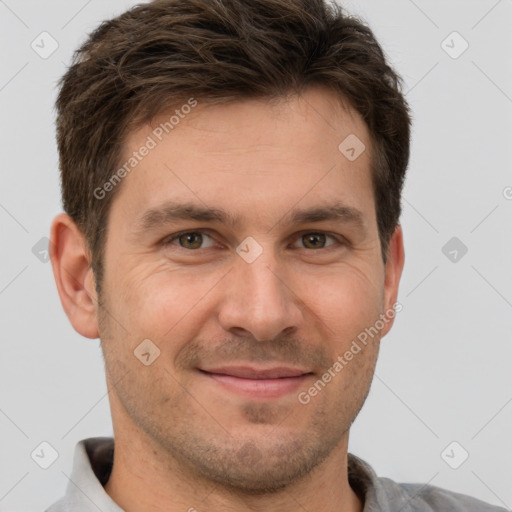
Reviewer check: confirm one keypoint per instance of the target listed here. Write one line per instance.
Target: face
(218, 253)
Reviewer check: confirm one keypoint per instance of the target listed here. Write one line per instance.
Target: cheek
(348, 300)
(158, 300)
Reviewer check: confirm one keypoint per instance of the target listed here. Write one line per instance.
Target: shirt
(93, 459)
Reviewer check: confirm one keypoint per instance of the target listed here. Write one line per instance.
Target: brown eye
(314, 240)
(190, 240)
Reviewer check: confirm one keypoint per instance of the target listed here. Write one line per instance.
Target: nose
(260, 299)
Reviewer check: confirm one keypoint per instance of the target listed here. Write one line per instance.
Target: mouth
(254, 382)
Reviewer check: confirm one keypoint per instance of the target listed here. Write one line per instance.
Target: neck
(143, 478)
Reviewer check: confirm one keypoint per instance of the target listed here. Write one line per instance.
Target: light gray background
(444, 370)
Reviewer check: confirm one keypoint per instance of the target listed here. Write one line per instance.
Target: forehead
(250, 154)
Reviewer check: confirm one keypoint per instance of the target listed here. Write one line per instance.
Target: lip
(250, 372)
(258, 383)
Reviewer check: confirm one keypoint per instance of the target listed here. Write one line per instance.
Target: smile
(258, 383)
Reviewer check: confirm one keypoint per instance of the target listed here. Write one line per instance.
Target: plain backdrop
(443, 375)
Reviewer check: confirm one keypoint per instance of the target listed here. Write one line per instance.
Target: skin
(184, 441)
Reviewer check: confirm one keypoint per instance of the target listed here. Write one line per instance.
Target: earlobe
(73, 275)
(393, 273)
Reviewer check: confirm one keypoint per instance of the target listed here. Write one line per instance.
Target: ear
(393, 273)
(73, 275)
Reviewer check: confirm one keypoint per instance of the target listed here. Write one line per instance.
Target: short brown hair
(157, 55)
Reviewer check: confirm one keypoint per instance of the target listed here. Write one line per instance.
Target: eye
(316, 239)
(193, 240)
(188, 240)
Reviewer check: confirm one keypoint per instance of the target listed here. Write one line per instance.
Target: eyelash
(167, 241)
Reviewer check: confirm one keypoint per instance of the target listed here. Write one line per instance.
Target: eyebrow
(170, 212)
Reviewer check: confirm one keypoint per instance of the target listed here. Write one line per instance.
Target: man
(231, 176)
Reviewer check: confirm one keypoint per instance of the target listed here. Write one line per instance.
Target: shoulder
(429, 498)
(386, 495)
(58, 506)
